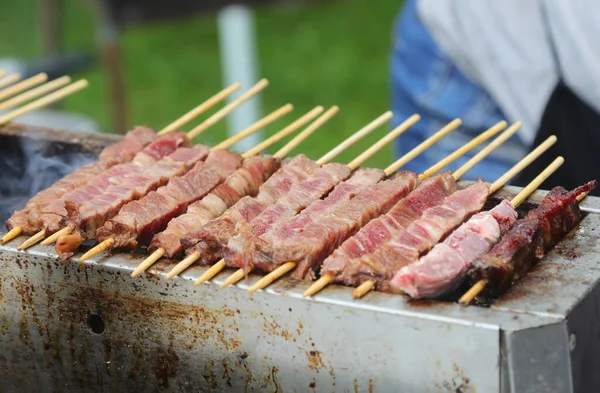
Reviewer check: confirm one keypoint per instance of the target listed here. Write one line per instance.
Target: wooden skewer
(327, 278)
(270, 118)
(200, 109)
(352, 165)
(484, 136)
(286, 267)
(54, 237)
(211, 272)
(189, 260)
(33, 93)
(31, 241)
(284, 151)
(184, 264)
(382, 119)
(460, 172)
(479, 286)
(448, 128)
(206, 124)
(301, 121)
(523, 163)
(9, 80)
(23, 85)
(98, 249)
(46, 100)
(12, 234)
(270, 278)
(2, 73)
(364, 288)
(104, 245)
(453, 125)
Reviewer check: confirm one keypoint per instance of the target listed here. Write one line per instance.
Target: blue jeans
(427, 82)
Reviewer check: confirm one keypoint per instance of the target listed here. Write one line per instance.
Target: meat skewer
(93, 214)
(14, 227)
(52, 226)
(306, 240)
(181, 121)
(138, 220)
(188, 261)
(23, 85)
(26, 220)
(441, 270)
(245, 181)
(526, 242)
(240, 247)
(223, 228)
(406, 246)
(33, 93)
(381, 230)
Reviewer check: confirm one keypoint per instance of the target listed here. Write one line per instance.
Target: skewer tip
(54, 237)
(472, 293)
(146, 263)
(271, 277)
(235, 277)
(13, 233)
(211, 272)
(318, 285)
(98, 249)
(33, 240)
(362, 289)
(181, 266)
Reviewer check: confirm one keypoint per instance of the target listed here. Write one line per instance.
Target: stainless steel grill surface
(66, 326)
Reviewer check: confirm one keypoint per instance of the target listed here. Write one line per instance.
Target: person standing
(483, 62)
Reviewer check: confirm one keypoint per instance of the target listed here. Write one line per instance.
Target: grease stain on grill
(167, 366)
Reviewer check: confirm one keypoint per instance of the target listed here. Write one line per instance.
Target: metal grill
(89, 327)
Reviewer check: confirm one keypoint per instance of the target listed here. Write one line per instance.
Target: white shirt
(510, 48)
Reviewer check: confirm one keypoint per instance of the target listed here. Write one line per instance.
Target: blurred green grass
(335, 53)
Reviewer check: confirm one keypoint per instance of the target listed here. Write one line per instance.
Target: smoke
(28, 166)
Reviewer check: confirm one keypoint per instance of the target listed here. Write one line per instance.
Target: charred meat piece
(297, 199)
(528, 240)
(443, 268)
(246, 181)
(138, 220)
(210, 239)
(120, 152)
(420, 236)
(54, 212)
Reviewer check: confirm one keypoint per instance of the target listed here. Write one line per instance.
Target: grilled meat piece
(381, 229)
(246, 181)
(87, 218)
(297, 199)
(120, 152)
(308, 245)
(442, 269)
(420, 236)
(528, 240)
(138, 220)
(210, 239)
(54, 212)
